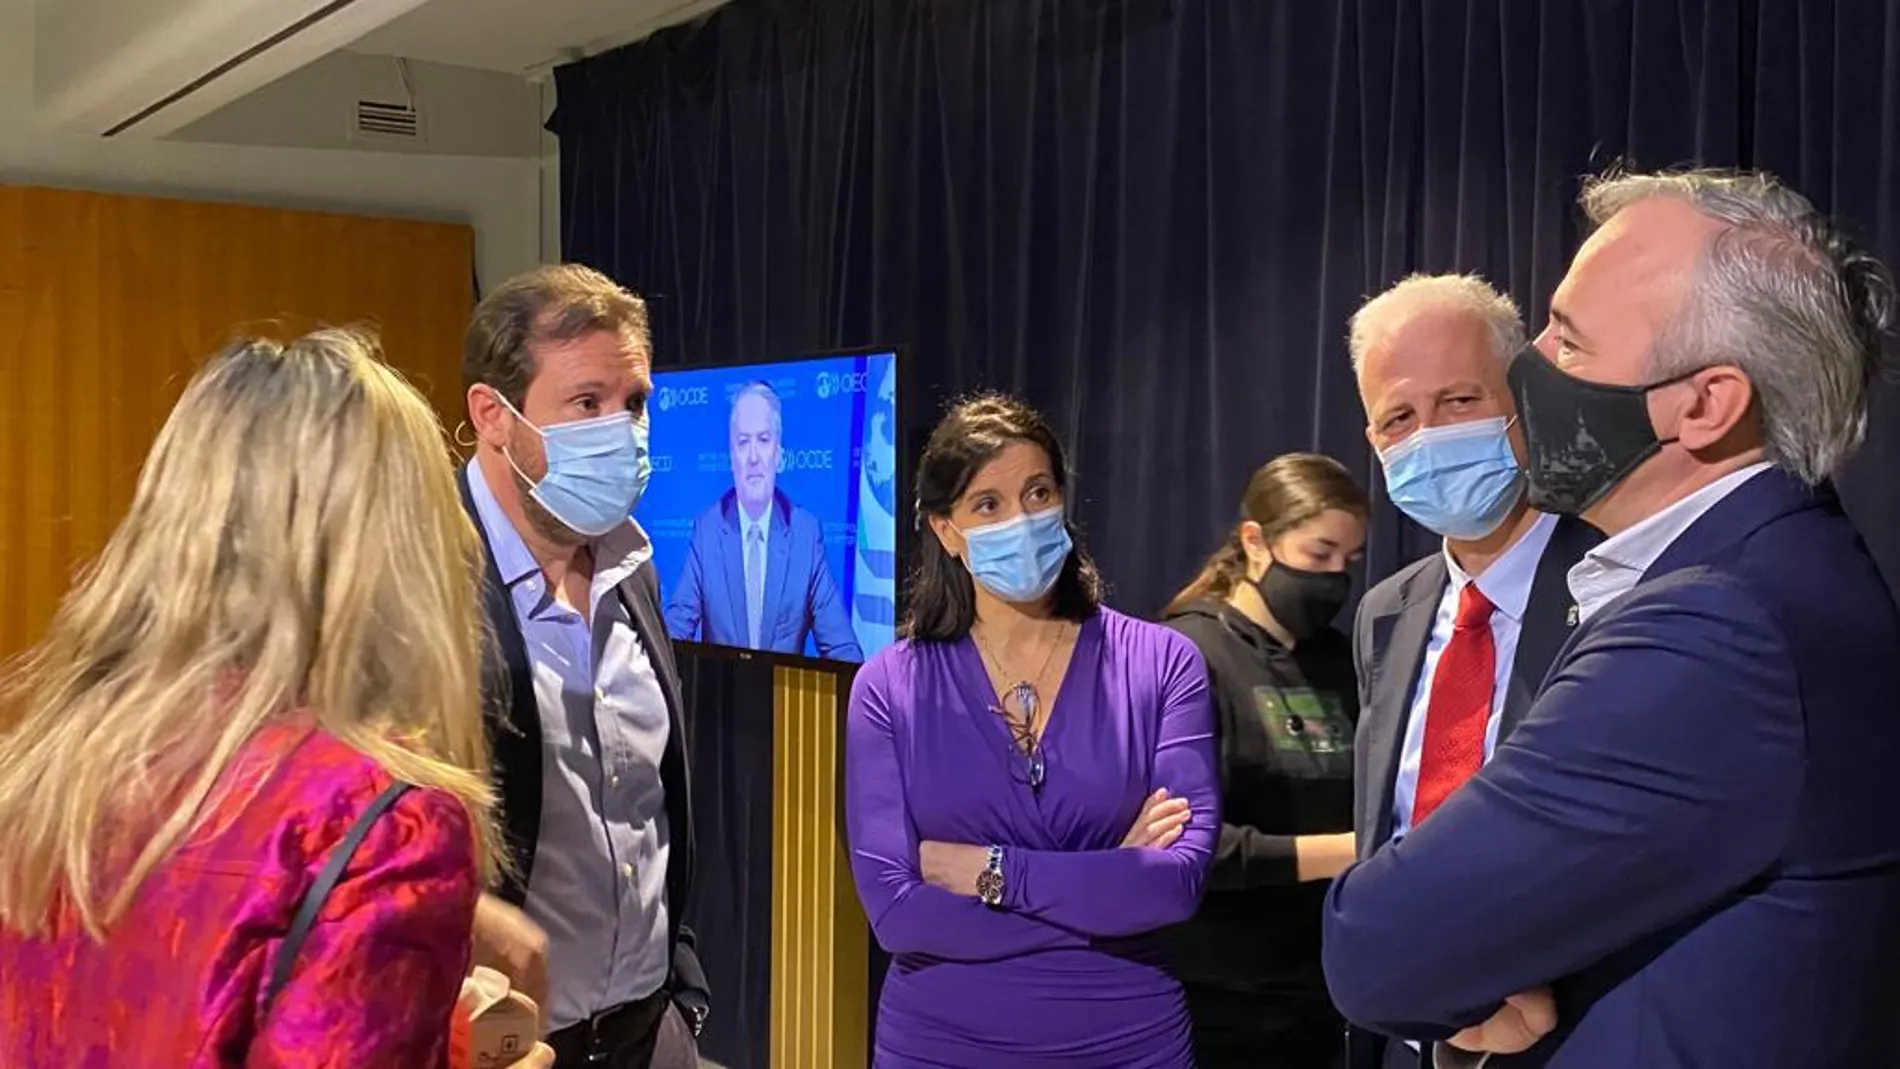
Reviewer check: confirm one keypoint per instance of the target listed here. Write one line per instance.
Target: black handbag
(326, 880)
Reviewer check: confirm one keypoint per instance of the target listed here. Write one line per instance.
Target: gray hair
(1436, 293)
(1779, 294)
(760, 388)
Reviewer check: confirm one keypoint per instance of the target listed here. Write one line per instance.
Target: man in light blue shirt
(1450, 650)
(583, 696)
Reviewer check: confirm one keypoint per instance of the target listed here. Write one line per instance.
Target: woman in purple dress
(1031, 789)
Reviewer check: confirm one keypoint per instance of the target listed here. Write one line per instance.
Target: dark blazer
(1390, 633)
(1693, 836)
(708, 602)
(514, 720)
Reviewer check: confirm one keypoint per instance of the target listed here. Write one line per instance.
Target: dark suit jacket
(1694, 835)
(514, 721)
(801, 598)
(1390, 633)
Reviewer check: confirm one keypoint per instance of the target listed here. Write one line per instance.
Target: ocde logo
(840, 383)
(672, 397)
(805, 460)
(662, 463)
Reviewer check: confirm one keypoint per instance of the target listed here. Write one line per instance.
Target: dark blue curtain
(1153, 217)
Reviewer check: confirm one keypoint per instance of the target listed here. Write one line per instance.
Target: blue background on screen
(838, 461)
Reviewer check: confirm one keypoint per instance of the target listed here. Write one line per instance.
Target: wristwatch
(989, 882)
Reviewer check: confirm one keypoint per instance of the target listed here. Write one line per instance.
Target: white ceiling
(519, 36)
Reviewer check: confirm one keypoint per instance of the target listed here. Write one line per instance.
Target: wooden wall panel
(107, 305)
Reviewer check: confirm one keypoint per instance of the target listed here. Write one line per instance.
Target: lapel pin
(1570, 619)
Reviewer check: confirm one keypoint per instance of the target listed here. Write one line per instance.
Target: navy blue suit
(1693, 836)
(802, 601)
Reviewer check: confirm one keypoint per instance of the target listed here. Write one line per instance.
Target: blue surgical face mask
(597, 470)
(1458, 481)
(1019, 560)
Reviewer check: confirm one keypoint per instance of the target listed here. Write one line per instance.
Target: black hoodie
(1286, 722)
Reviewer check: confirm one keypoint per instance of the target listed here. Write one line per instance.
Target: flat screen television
(774, 505)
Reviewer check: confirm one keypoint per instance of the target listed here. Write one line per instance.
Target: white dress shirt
(1507, 585)
(598, 887)
(1614, 567)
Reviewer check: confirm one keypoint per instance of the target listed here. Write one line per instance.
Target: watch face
(989, 888)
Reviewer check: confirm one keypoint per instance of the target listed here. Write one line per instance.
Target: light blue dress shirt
(598, 886)
(756, 556)
(1507, 585)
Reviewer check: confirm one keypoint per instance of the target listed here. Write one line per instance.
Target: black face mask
(1303, 602)
(1583, 437)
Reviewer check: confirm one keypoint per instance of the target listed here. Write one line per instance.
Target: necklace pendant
(1025, 695)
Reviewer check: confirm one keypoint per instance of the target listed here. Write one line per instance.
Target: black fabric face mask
(1583, 437)
(1303, 602)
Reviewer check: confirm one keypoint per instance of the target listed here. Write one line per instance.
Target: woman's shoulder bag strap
(320, 890)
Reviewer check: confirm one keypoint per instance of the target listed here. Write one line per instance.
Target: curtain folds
(1153, 217)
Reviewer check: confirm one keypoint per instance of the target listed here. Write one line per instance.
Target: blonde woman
(284, 626)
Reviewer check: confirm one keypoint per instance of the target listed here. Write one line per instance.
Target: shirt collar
(617, 554)
(1507, 582)
(1638, 547)
(621, 551)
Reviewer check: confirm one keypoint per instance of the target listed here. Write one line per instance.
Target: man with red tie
(1450, 650)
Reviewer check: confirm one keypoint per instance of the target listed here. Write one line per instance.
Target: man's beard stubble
(543, 521)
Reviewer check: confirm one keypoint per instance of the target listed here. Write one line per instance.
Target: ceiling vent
(378, 121)
(115, 68)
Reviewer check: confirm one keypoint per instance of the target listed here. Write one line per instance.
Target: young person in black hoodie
(1261, 612)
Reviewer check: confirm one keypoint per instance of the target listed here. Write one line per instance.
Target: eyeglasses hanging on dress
(1022, 723)
(1022, 731)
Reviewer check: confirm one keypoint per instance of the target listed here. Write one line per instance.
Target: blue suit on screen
(801, 598)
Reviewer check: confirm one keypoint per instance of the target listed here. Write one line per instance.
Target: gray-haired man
(1450, 650)
(1693, 838)
(755, 574)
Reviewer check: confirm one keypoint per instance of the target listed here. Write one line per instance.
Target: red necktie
(1459, 707)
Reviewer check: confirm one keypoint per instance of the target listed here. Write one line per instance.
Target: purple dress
(1063, 973)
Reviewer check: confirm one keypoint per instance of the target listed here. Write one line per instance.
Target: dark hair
(553, 302)
(1285, 492)
(971, 433)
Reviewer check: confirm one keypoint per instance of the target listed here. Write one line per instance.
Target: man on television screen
(755, 573)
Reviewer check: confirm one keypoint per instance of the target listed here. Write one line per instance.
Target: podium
(820, 1005)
